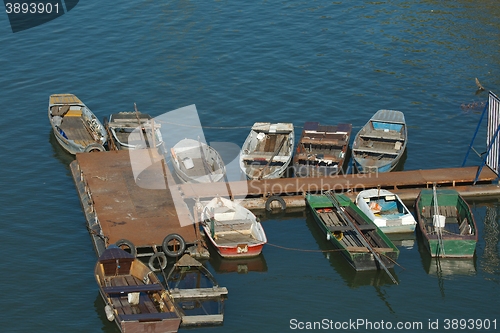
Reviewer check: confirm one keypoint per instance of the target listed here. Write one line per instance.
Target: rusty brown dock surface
(119, 206)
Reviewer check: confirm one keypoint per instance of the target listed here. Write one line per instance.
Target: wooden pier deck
(118, 205)
(141, 209)
(407, 184)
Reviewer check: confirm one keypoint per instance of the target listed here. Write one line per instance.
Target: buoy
(109, 312)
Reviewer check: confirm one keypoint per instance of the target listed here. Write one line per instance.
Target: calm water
(335, 61)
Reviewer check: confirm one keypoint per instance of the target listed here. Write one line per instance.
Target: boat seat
(465, 228)
(339, 228)
(147, 316)
(133, 288)
(367, 227)
(374, 151)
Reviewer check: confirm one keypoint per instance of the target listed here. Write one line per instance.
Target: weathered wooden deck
(119, 206)
(407, 184)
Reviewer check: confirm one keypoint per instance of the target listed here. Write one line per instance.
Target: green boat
(446, 223)
(362, 243)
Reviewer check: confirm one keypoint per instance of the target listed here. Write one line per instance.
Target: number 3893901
(31, 8)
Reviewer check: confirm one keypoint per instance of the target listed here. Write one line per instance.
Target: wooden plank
(147, 316)
(123, 289)
(202, 319)
(198, 292)
(148, 304)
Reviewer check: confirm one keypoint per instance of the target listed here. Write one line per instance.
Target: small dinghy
(75, 127)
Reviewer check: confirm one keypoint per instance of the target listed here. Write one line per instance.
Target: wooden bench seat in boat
(375, 151)
(233, 227)
(347, 228)
(386, 135)
(365, 249)
(265, 157)
(323, 142)
(157, 316)
(132, 288)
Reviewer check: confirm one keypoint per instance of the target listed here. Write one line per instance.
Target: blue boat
(379, 145)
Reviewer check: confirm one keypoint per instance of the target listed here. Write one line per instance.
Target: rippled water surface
(335, 61)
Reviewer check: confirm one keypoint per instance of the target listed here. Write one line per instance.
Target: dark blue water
(336, 61)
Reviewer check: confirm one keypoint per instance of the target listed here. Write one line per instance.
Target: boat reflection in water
(196, 293)
(351, 277)
(238, 265)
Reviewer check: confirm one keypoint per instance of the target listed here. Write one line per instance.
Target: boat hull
(237, 251)
(359, 257)
(322, 150)
(134, 296)
(456, 235)
(386, 210)
(267, 151)
(76, 128)
(380, 144)
(191, 167)
(232, 229)
(454, 248)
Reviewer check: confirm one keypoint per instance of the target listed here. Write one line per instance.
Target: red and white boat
(232, 229)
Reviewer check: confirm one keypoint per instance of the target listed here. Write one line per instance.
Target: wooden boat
(196, 293)
(379, 145)
(135, 299)
(232, 229)
(360, 241)
(133, 130)
(446, 223)
(75, 127)
(197, 162)
(386, 210)
(321, 150)
(267, 150)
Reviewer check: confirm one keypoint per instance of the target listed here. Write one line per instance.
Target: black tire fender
(93, 147)
(181, 244)
(158, 257)
(272, 198)
(127, 243)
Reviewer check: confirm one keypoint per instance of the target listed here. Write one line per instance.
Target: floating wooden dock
(141, 209)
(118, 205)
(407, 184)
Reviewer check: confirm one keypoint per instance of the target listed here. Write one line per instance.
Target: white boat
(386, 210)
(75, 127)
(379, 145)
(232, 229)
(267, 151)
(197, 162)
(133, 130)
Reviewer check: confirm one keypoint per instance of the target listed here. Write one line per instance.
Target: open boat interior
(267, 149)
(322, 146)
(452, 222)
(135, 291)
(72, 123)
